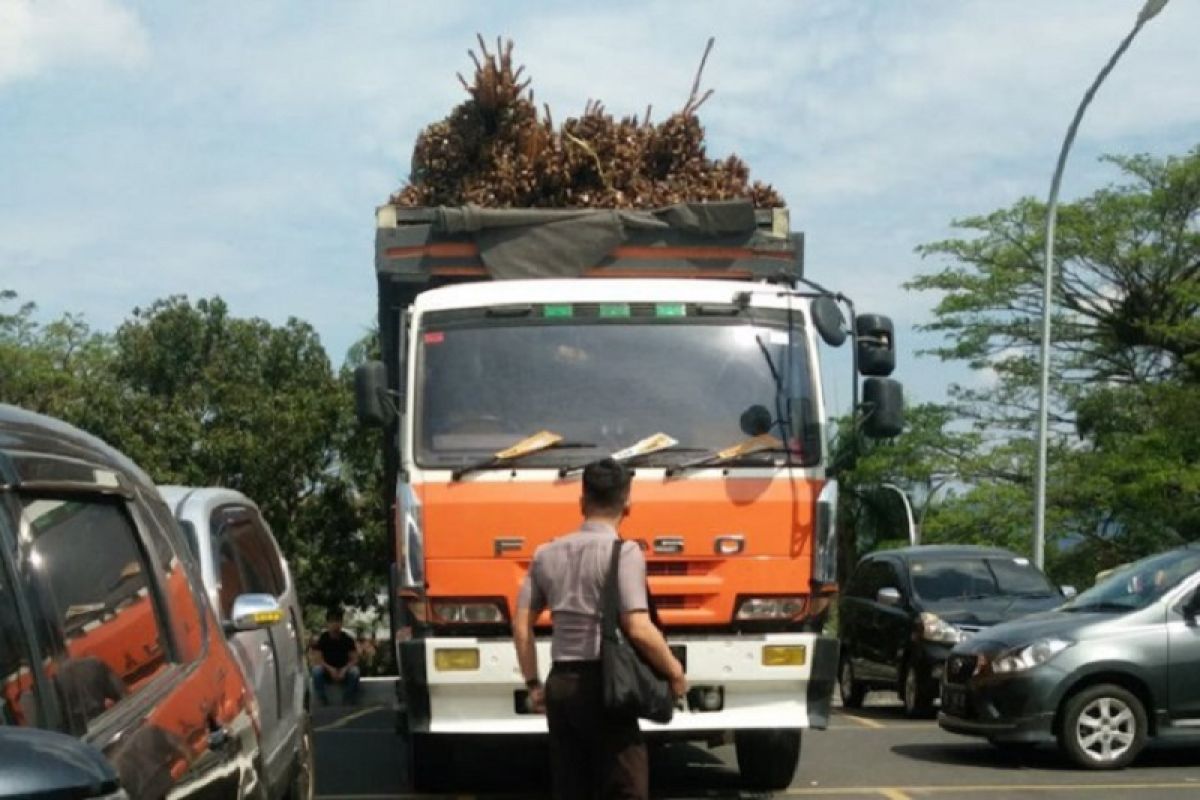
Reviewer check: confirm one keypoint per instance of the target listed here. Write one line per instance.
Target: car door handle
(218, 738)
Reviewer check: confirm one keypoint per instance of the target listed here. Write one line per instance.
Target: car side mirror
(371, 402)
(1068, 592)
(253, 612)
(1191, 608)
(888, 596)
(40, 763)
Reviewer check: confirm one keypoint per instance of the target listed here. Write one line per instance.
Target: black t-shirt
(336, 648)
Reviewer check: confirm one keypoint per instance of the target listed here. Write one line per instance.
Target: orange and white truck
(518, 345)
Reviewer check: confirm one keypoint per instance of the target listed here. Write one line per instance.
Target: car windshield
(940, 580)
(601, 382)
(1139, 584)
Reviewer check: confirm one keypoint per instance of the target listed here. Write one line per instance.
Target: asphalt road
(875, 753)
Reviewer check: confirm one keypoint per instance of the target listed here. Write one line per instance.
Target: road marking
(866, 723)
(905, 792)
(349, 718)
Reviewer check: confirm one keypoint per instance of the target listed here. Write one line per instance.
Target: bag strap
(611, 607)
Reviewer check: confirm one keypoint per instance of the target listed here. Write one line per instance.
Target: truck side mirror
(371, 402)
(883, 408)
(875, 338)
(828, 320)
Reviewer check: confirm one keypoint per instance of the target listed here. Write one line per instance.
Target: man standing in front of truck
(593, 754)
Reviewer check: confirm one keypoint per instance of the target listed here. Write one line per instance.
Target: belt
(576, 666)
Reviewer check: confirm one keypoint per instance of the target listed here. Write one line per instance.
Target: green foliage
(199, 397)
(1125, 370)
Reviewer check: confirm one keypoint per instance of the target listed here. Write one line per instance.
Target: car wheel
(767, 759)
(303, 785)
(1103, 727)
(914, 691)
(853, 693)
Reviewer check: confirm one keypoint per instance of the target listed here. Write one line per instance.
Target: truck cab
(686, 349)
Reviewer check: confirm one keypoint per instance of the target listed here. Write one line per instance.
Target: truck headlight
(1029, 656)
(458, 612)
(760, 608)
(935, 629)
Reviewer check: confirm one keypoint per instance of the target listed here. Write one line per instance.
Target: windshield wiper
(658, 443)
(755, 444)
(537, 443)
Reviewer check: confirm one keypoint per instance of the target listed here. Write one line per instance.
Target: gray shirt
(567, 576)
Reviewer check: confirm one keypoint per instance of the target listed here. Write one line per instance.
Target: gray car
(1100, 675)
(237, 554)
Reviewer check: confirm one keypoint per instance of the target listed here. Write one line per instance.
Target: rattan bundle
(497, 150)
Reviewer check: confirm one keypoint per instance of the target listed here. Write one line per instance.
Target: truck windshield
(484, 384)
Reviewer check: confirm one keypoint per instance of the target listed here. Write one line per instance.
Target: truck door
(1183, 668)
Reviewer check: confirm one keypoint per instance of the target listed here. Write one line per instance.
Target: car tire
(1103, 727)
(767, 759)
(853, 692)
(915, 693)
(303, 785)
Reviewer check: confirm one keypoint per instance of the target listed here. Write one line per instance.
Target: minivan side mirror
(253, 612)
(371, 401)
(1068, 592)
(888, 596)
(41, 763)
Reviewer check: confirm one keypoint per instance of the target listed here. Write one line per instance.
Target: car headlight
(935, 629)
(1029, 656)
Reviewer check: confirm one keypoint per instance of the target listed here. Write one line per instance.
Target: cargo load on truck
(498, 150)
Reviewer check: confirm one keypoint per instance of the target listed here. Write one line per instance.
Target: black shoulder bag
(631, 686)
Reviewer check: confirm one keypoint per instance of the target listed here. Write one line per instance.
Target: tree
(58, 368)
(1126, 363)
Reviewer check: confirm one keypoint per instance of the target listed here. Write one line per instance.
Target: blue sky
(232, 148)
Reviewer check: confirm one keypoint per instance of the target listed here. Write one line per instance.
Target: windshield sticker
(777, 337)
(435, 337)
(1024, 562)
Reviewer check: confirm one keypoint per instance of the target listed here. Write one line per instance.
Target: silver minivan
(238, 555)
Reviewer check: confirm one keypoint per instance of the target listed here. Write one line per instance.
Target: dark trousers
(593, 755)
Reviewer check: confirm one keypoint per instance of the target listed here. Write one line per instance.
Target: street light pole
(914, 536)
(1148, 12)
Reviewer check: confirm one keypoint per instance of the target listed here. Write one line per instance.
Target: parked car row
(147, 648)
(1019, 662)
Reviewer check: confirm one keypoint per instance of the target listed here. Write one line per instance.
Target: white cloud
(38, 36)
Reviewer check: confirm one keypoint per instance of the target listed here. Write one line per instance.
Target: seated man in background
(335, 656)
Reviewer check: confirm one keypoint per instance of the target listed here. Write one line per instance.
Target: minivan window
(246, 559)
(1139, 584)
(88, 575)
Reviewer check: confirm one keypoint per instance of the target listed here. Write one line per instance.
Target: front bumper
(755, 696)
(1011, 708)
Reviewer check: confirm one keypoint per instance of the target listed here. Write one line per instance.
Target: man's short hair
(334, 615)
(605, 487)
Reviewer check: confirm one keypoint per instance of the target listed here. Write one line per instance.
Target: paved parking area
(874, 753)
